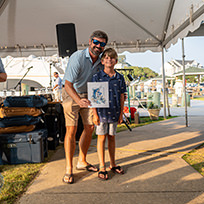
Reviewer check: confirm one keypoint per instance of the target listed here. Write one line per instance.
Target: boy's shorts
(106, 128)
(72, 110)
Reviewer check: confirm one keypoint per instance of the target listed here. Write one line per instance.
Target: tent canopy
(29, 26)
(197, 32)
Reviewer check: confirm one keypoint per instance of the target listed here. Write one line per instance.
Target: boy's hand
(96, 120)
(120, 120)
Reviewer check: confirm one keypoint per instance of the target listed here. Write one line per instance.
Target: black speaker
(51, 122)
(66, 39)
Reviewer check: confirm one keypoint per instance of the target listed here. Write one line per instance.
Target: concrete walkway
(155, 172)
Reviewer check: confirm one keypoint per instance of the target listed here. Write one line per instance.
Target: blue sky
(194, 50)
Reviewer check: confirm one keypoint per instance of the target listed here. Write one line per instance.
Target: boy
(107, 119)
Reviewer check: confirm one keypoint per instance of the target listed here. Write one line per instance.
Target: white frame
(98, 101)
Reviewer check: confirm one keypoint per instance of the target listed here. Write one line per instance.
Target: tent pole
(167, 101)
(184, 83)
(164, 84)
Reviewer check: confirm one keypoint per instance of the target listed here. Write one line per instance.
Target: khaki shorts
(72, 110)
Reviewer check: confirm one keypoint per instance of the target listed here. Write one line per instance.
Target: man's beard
(95, 51)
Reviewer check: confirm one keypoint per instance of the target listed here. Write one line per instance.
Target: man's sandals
(68, 178)
(117, 169)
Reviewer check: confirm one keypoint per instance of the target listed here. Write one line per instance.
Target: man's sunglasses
(96, 42)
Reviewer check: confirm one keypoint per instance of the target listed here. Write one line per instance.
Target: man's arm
(55, 86)
(3, 77)
(82, 102)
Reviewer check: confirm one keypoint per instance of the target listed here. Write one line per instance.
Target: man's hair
(99, 34)
(55, 72)
(110, 52)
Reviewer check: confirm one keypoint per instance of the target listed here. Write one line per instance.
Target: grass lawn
(17, 177)
(143, 121)
(201, 98)
(196, 159)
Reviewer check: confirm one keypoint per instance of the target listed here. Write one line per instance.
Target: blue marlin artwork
(97, 96)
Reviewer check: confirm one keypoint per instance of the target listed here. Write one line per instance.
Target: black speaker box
(66, 39)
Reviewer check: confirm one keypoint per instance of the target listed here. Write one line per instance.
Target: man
(80, 69)
(3, 75)
(57, 89)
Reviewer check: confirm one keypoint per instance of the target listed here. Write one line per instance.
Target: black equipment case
(25, 101)
(51, 123)
(28, 147)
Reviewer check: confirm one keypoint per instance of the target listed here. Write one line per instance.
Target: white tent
(29, 26)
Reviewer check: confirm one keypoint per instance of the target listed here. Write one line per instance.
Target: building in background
(175, 66)
(122, 62)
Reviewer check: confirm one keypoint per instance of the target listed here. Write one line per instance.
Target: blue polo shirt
(117, 86)
(80, 70)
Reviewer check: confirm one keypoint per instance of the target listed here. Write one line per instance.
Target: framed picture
(98, 94)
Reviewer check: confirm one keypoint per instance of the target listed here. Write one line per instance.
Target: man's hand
(83, 103)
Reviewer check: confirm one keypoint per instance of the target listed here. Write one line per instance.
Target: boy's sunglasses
(96, 42)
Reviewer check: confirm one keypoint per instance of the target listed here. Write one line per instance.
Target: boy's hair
(99, 34)
(110, 52)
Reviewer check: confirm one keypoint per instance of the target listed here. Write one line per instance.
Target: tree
(138, 72)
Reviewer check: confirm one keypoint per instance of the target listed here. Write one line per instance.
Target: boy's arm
(122, 100)
(96, 119)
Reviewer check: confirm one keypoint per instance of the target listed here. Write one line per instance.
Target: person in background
(3, 75)
(106, 119)
(57, 89)
(80, 69)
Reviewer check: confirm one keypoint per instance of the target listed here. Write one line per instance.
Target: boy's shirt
(117, 87)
